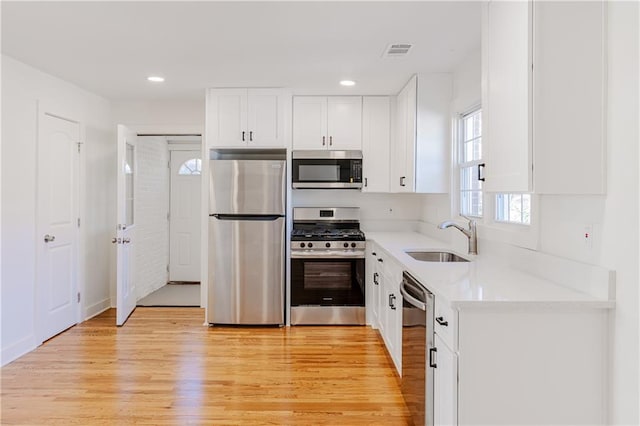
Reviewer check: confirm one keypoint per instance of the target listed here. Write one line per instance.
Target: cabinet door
(445, 385)
(227, 118)
(376, 116)
(381, 294)
(393, 325)
(403, 166)
(310, 122)
(507, 86)
(371, 286)
(569, 83)
(344, 122)
(265, 119)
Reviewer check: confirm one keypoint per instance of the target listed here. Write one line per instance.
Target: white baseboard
(18, 349)
(97, 308)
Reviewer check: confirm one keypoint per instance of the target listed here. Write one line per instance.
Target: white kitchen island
(515, 345)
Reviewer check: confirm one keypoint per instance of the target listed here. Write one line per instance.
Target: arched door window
(192, 166)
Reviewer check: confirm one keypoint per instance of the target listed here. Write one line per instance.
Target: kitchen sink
(436, 256)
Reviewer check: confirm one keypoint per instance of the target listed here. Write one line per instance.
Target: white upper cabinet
(421, 147)
(544, 96)
(569, 97)
(507, 52)
(376, 128)
(247, 117)
(333, 122)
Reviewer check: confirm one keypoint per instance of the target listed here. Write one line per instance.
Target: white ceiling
(109, 48)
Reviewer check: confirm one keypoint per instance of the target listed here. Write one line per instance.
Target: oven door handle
(327, 255)
(412, 300)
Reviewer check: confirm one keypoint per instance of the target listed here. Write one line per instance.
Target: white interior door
(57, 237)
(125, 237)
(184, 217)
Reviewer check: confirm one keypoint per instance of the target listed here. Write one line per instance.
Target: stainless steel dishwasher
(417, 346)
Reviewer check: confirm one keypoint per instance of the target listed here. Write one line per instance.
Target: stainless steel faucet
(470, 233)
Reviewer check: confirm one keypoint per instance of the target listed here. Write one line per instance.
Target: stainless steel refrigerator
(247, 204)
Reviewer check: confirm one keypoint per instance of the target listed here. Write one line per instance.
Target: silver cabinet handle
(366, 182)
(402, 178)
(126, 240)
(375, 278)
(324, 138)
(49, 238)
(115, 240)
(251, 136)
(330, 140)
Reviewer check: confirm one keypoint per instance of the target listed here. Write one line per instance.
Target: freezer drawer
(247, 187)
(246, 270)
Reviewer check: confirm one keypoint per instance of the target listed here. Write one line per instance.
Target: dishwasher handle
(412, 300)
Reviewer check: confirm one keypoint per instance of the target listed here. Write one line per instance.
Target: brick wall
(151, 207)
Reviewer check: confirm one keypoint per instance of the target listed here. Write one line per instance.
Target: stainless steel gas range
(327, 266)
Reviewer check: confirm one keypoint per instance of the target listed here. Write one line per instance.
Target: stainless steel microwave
(327, 169)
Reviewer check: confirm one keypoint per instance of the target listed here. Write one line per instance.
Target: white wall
(614, 216)
(466, 94)
(150, 209)
(169, 116)
(22, 87)
(379, 212)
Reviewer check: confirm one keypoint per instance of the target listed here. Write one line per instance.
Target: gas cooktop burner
(327, 234)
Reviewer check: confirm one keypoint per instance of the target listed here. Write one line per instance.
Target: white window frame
(459, 165)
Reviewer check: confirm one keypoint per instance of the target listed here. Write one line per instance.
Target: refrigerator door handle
(246, 217)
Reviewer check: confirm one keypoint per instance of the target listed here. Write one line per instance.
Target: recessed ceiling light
(348, 83)
(155, 79)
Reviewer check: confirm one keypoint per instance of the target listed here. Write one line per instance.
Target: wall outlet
(588, 236)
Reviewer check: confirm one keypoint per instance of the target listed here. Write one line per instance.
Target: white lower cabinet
(384, 306)
(445, 392)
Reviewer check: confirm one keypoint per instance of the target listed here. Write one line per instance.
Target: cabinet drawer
(446, 324)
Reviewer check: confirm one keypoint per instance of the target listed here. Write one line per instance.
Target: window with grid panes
(513, 208)
(469, 160)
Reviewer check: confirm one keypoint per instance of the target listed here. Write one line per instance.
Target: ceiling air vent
(396, 50)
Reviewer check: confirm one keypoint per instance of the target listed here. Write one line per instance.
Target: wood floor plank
(165, 368)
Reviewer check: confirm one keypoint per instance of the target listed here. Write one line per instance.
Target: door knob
(49, 238)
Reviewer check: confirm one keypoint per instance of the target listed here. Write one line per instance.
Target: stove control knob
(302, 245)
(353, 244)
(327, 245)
(310, 245)
(346, 245)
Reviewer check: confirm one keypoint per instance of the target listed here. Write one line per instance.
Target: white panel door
(506, 106)
(344, 122)
(376, 116)
(184, 217)
(57, 237)
(265, 121)
(227, 117)
(310, 122)
(125, 239)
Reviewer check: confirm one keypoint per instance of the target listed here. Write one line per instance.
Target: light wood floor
(164, 367)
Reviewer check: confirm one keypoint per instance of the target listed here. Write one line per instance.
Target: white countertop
(480, 282)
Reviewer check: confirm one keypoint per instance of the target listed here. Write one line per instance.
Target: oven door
(327, 173)
(321, 281)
